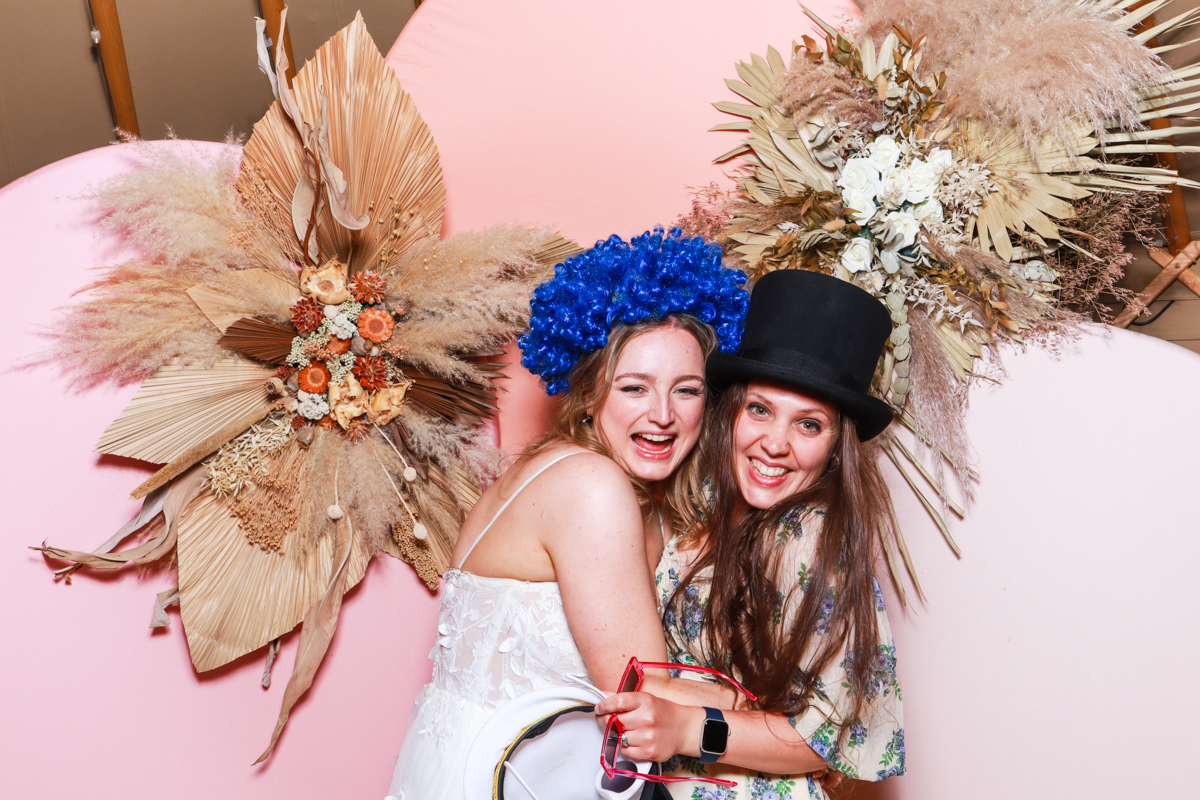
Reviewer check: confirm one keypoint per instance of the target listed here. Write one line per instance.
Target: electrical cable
(1156, 316)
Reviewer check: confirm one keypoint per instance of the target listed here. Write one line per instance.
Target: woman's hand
(655, 729)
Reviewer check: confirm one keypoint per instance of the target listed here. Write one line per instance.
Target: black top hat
(815, 333)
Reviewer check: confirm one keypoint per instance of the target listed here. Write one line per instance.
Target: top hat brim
(870, 414)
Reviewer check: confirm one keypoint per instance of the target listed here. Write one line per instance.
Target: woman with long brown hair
(776, 586)
(551, 580)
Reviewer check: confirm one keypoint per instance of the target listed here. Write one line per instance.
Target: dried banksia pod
(376, 325)
(368, 287)
(371, 372)
(307, 315)
(314, 378)
(357, 429)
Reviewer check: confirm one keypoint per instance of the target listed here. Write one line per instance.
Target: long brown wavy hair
(782, 663)
(591, 379)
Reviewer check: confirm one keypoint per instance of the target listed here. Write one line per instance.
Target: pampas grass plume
(1038, 66)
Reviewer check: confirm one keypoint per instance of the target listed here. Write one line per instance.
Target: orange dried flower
(337, 346)
(368, 287)
(357, 429)
(371, 372)
(314, 378)
(376, 325)
(307, 315)
(327, 423)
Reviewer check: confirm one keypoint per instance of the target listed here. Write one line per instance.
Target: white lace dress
(498, 639)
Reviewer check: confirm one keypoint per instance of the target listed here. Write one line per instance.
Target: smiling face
(782, 440)
(652, 415)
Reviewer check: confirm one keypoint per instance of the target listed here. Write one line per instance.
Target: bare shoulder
(581, 486)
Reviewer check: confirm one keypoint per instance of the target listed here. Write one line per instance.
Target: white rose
(863, 204)
(859, 175)
(929, 211)
(923, 180)
(941, 160)
(885, 153)
(858, 254)
(893, 188)
(900, 230)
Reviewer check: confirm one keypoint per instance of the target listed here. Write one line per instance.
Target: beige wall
(192, 64)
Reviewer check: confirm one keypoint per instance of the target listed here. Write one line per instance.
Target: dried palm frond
(378, 139)
(181, 406)
(460, 402)
(234, 597)
(230, 297)
(260, 338)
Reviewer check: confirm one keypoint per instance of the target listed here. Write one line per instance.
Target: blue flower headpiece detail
(652, 276)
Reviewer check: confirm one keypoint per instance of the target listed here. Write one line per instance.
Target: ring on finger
(624, 740)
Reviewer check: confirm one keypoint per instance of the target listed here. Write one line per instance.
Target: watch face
(715, 736)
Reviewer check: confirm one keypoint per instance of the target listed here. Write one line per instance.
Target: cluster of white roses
(889, 201)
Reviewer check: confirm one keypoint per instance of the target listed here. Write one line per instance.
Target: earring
(587, 419)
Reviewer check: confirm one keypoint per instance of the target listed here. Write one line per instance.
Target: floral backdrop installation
(309, 351)
(972, 165)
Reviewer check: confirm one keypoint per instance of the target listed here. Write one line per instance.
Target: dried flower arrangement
(972, 185)
(310, 357)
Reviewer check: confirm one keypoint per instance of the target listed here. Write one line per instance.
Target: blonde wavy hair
(591, 380)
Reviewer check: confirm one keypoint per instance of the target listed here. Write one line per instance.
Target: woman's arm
(658, 729)
(593, 532)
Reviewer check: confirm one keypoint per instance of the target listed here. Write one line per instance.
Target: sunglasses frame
(639, 668)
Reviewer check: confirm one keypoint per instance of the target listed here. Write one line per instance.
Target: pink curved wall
(1052, 661)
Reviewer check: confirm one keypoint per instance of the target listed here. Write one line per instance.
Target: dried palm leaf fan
(310, 353)
(961, 162)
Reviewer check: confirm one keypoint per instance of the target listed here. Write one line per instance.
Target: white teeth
(765, 471)
(656, 437)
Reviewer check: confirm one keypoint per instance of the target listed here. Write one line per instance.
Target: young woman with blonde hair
(552, 571)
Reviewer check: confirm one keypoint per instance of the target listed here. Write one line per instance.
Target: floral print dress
(874, 749)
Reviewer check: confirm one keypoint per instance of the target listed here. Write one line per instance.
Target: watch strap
(712, 716)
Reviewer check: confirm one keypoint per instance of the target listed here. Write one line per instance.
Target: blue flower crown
(652, 276)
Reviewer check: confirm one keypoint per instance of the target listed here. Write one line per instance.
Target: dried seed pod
(335, 512)
(358, 346)
(305, 436)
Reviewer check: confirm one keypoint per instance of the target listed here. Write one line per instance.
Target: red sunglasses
(620, 775)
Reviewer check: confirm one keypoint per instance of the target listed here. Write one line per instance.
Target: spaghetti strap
(520, 488)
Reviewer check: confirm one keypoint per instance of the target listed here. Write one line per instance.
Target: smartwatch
(714, 736)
